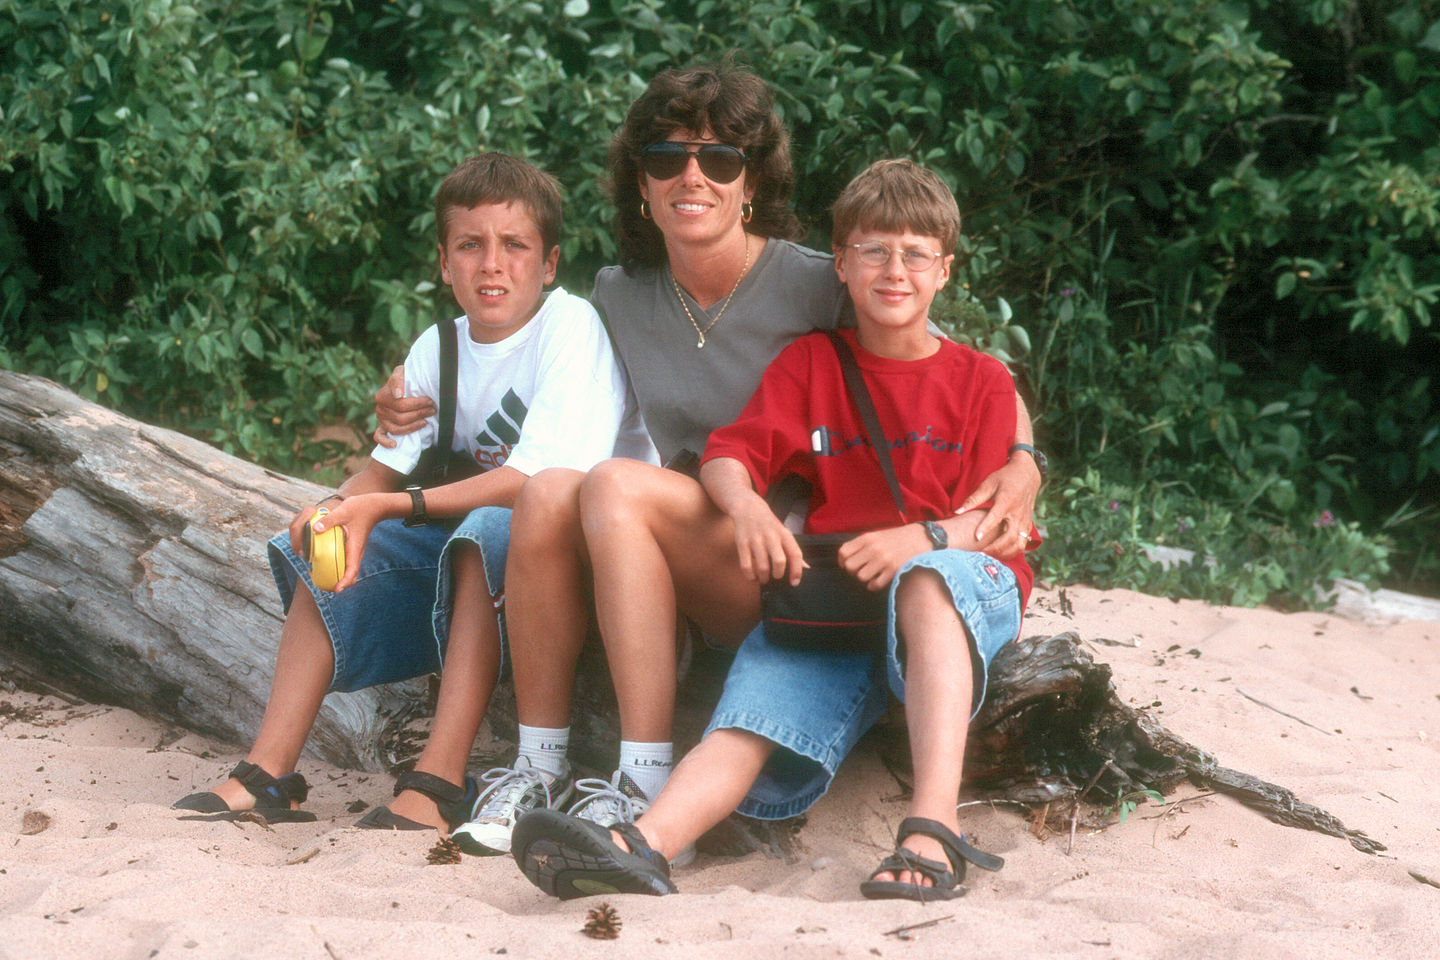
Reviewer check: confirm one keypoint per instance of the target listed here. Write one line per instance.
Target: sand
(96, 865)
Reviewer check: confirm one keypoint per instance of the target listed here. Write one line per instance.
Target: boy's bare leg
(546, 608)
(304, 666)
(472, 667)
(939, 688)
(705, 788)
(654, 539)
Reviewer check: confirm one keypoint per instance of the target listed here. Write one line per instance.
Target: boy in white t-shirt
(537, 387)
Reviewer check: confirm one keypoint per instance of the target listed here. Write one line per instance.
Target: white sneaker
(617, 800)
(508, 794)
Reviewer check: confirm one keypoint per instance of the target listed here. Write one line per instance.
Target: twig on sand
(902, 932)
(1171, 808)
(1423, 879)
(1075, 806)
(1282, 712)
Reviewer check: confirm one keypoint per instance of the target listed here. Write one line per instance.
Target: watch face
(937, 535)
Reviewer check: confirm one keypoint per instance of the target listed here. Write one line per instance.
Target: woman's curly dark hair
(736, 107)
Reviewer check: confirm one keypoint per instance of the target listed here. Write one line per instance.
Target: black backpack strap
(855, 382)
(449, 369)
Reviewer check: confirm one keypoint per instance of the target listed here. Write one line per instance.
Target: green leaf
(1285, 285)
(1431, 40)
(576, 8)
(250, 340)
(313, 46)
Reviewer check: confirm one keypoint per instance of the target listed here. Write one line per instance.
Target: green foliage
(1204, 234)
(1125, 803)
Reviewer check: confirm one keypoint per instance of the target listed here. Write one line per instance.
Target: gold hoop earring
(747, 212)
(644, 209)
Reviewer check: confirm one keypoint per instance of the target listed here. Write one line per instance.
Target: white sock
(647, 764)
(545, 748)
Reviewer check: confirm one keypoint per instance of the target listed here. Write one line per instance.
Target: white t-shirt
(549, 395)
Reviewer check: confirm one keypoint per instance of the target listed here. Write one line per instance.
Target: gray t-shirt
(685, 392)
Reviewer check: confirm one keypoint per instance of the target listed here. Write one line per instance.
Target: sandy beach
(96, 865)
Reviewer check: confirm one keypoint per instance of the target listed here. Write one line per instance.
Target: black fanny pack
(830, 609)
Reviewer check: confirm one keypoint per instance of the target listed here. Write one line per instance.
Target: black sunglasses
(719, 162)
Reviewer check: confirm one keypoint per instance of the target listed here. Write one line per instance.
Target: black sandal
(568, 857)
(455, 802)
(272, 797)
(945, 882)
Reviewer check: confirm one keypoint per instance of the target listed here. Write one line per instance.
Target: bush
(1214, 227)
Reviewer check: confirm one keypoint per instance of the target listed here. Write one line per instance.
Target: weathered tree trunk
(133, 572)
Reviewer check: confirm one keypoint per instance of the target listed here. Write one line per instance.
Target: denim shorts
(817, 705)
(392, 624)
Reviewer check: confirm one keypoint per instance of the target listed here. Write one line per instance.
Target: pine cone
(447, 851)
(602, 922)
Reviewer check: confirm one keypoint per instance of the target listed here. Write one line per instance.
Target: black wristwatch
(938, 537)
(418, 517)
(1042, 462)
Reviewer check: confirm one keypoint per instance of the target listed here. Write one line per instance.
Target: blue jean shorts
(817, 705)
(392, 624)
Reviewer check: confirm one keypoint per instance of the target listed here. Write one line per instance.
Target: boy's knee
(921, 585)
(466, 560)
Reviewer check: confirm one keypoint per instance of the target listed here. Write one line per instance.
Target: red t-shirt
(949, 419)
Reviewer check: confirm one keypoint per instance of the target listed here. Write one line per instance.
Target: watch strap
(1042, 463)
(418, 517)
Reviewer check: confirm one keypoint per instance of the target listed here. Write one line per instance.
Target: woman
(712, 289)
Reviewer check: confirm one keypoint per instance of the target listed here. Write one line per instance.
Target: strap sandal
(273, 796)
(568, 857)
(945, 881)
(454, 802)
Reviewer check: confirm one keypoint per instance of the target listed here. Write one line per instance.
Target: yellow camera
(324, 551)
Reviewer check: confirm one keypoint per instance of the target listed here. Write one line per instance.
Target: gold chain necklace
(744, 269)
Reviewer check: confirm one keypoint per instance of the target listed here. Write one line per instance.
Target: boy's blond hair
(501, 178)
(898, 196)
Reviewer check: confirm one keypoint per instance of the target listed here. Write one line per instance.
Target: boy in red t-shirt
(788, 716)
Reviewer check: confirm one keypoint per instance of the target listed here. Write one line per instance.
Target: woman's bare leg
(304, 667)
(546, 608)
(472, 667)
(655, 538)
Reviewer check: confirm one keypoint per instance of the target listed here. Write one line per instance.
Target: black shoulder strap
(860, 393)
(449, 365)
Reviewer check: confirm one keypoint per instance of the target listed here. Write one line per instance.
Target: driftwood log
(132, 572)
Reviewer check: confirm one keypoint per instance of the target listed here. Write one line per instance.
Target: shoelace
(508, 785)
(607, 797)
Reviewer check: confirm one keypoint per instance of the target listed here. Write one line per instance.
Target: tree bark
(133, 572)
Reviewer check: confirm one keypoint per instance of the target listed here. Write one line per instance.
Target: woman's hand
(397, 413)
(874, 558)
(767, 550)
(357, 516)
(1005, 531)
